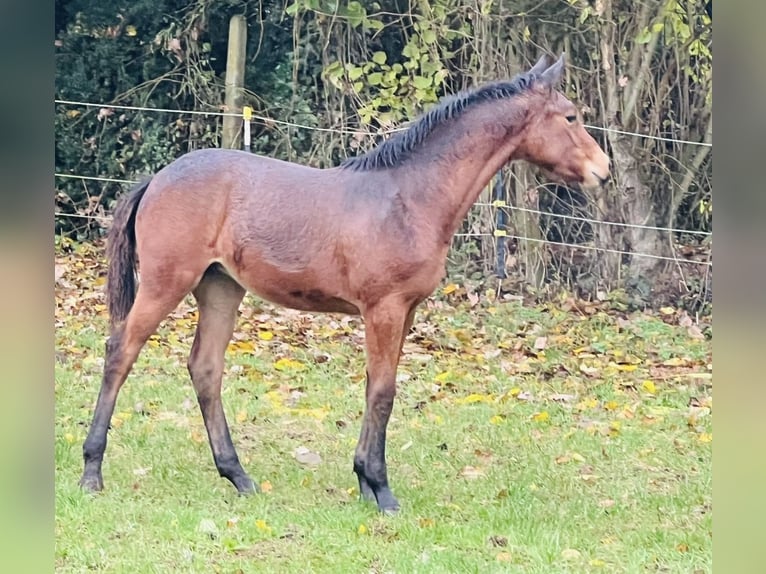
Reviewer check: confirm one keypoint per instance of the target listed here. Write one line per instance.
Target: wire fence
(343, 131)
(340, 131)
(502, 204)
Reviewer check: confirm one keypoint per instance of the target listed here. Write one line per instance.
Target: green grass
(584, 458)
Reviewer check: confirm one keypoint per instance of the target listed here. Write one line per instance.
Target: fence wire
(340, 131)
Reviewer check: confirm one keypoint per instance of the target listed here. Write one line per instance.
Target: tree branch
(693, 168)
(639, 76)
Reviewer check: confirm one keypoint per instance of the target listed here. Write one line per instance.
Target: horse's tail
(121, 252)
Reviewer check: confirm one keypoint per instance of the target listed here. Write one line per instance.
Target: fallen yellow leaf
(705, 437)
(597, 562)
(475, 398)
(285, 364)
(504, 557)
(626, 368)
(541, 417)
(451, 288)
(276, 399)
(587, 404)
(266, 486)
(261, 525)
(120, 418)
(462, 335)
(649, 387)
(362, 529)
(265, 335)
(242, 347)
(496, 419)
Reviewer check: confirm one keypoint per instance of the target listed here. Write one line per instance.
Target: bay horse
(368, 237)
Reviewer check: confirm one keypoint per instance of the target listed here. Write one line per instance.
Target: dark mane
(394, 151)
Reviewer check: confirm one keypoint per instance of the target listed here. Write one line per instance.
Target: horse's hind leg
(218, 297)
(151, 306)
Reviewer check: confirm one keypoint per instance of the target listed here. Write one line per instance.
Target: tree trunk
(531, 251)
(632, 200)
(639, 209)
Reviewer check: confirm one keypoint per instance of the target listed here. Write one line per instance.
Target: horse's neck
(449, 185)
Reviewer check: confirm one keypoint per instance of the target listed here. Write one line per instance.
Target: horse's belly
(293, 292)
(309, 300)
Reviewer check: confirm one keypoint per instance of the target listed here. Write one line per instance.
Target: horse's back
(206, 181)
(241, 210)
(224, 168)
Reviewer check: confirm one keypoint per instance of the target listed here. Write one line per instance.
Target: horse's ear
(541, 65)
(553, 75)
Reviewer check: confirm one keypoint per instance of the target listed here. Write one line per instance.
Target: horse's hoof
(246, 487)
(91, 483)
(389, 510)
(387, 503)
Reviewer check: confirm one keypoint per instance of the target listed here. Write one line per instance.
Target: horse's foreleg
(125, 342)
(218, 297)
(386, 326)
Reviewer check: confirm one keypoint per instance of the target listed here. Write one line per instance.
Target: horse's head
(554, 137)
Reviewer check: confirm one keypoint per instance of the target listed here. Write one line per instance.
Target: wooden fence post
(235, 82)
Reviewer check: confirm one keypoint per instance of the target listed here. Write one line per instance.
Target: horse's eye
(571, 119)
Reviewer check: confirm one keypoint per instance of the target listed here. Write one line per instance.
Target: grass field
(559, 438)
